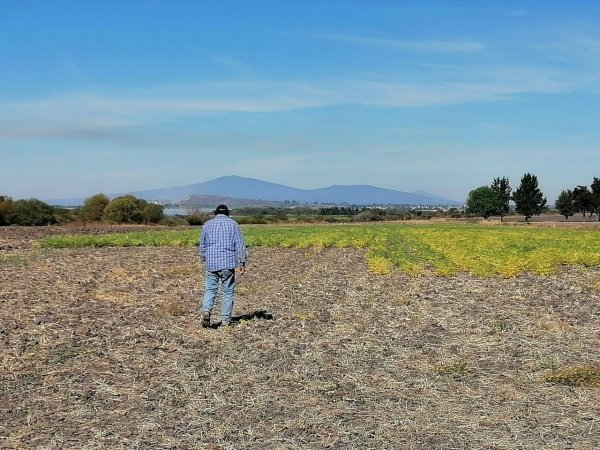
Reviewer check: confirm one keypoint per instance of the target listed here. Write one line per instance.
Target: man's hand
(241, 270)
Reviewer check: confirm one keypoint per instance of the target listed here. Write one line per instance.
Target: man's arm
(202, 245)
(240, 249)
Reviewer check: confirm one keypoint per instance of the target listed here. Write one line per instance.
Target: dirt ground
(550, 219)
(103, 349)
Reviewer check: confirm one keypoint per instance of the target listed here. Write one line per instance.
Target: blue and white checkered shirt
(222, 244)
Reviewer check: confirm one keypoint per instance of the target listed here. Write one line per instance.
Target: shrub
(371, 215)
(7, 209)
(251, 220)
(153, 213)
(195, 216)
(125, 209)
(32, 212)
(64, 215)
(173, 221)
(280, 216)
(94, 207)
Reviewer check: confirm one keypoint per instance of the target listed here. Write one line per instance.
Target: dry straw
(103, 349)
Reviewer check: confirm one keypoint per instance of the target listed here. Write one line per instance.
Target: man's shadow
(235, 320)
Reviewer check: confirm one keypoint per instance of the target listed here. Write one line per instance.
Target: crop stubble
(102, 348)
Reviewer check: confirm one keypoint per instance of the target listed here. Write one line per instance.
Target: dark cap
(222, 209)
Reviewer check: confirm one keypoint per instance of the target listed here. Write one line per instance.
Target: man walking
(222, 249)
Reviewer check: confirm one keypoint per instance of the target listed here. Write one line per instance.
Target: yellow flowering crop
(443, 249)
(446, 249)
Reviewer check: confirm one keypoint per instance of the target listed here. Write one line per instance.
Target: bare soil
(103, 349)
(578, 219)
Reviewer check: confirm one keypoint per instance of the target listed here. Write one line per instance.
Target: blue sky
(443, 96)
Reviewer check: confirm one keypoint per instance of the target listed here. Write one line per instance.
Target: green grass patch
(456, 369)
(445, 249)
(170, 238)
(11, 260)
(577, 376)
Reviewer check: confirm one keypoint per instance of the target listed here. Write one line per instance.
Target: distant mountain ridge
(249, 188)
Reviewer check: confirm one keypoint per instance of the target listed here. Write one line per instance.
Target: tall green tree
(596, 195)
(564, 204)
(93, 208)
(583, 200)
(484, 201)
(502, 187)
(528, 197)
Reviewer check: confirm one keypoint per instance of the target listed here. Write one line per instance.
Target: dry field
(103, 349)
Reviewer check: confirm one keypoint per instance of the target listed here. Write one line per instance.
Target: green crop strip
(443, 248)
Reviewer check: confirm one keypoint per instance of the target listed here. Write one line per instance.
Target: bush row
(124, 209)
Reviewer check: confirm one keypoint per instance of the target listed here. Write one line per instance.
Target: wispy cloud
(80, 115)
(408, 45)
(499, 83)
(578, 47)
(233, 63)
(76, 114)
(577, 53)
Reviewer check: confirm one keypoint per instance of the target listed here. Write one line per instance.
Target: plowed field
(102, 348)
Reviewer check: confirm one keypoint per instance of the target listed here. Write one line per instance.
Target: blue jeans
(227, 278)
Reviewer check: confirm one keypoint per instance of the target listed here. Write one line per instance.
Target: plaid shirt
(222, 244)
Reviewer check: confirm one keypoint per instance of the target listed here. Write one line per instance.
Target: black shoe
(206, 319)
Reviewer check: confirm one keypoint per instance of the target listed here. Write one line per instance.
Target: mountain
(210, 201)
(250, 188)
(232, 186)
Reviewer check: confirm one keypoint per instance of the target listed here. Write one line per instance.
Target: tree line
(485, 201)
(97, 208)
(493, 200)
(580, 199)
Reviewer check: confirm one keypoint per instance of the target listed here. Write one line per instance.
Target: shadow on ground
(235, 320)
